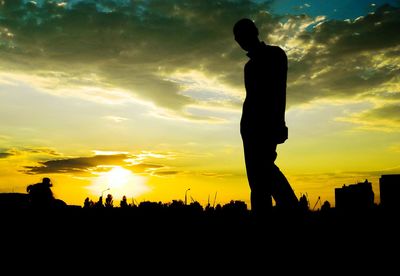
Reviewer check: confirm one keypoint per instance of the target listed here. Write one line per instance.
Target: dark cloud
(5, 154)
(137, 45)
(383, 118)
(390, 112)
(45, 151)
(76, 165)
(165, 173)
(31, 151)
(374, 31)
(387, 97)
(130, 46)
(88, 165)
(346, 58)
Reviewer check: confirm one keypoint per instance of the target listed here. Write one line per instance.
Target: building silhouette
(389, 187)
(357, 196)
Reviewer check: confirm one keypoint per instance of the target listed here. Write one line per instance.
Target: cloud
(103, 161)
(144, 168)
(395, 148)
(216, 174)
(130, 46)
(166, 173)
(348, 60)
(41, 150)
(145, 163)
(337, 179)
(384, 118)
(115, 119)
(76, 165)
(377, 173)
(4, 138)
(5, 154)
(148, 50)
(34, 152)
(374, 31)
(340, 59)
(388, 111)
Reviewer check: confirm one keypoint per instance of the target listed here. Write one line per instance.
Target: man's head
(246, 34)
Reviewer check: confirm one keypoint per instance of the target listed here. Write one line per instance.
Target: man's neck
(257, 47)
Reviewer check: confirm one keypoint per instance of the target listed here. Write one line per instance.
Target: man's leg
(282, 191)
(260, 194)
(261, 202)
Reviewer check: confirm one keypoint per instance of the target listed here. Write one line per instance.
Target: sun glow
(119, 182)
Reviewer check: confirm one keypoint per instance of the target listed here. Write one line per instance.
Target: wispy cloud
(166, 173)
(5, 154)
(115, 119)
(341, 59)
(353, 60)
(385, 118)
(395, 148)
(338, 178)
(144, 168)
(34, 152)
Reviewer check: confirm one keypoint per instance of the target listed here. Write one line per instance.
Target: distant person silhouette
(40, 193)
(262, 124)
(41, 196)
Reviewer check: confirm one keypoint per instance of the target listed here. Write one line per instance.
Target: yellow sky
(148, 105)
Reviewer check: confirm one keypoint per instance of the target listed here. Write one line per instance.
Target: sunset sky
(144, 97)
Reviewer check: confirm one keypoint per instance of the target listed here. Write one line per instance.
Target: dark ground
(204, 242)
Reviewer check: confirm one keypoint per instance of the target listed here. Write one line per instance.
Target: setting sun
(119, 182)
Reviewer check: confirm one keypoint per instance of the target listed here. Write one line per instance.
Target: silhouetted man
(262, 125)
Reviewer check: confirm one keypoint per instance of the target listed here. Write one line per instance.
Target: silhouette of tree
(99, 203)
(235, 207)
(148, 206)
(109, 201)
(124, 202)
(326, 206)
(88, 203)
(176, 205)
(195, 207)
(303, 203)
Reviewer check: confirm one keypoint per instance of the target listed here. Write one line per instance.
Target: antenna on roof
(319, 198)
(215, 198)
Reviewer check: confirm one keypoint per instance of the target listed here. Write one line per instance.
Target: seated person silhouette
(262, 125)
(40, 194)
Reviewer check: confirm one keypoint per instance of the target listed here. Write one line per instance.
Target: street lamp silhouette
(186, 196)
(104, 191)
